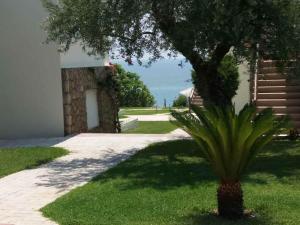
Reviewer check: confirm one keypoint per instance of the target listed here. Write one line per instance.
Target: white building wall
(76, 58)
(243, 93)
(30, 77)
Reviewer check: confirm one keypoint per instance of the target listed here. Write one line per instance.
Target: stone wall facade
(76, 81)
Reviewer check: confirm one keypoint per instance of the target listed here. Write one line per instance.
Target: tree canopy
(203, 31)
(132, 91)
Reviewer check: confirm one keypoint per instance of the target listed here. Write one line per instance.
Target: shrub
(229, 73)
(132, 91)
(181, 101)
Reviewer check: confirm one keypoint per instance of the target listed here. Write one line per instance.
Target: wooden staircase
(195, 98)
(273, 89)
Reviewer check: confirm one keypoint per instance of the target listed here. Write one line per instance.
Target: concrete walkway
(22, 194)
(155, 117)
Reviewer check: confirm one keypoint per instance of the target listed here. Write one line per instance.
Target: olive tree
(203, 31)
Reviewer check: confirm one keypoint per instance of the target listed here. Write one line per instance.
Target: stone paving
(24, 193)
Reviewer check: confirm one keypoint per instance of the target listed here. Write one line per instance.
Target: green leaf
(230, 142)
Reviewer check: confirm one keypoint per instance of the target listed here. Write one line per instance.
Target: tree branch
(220, 51)
(169, 26)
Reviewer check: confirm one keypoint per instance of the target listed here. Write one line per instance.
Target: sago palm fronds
(230, 142)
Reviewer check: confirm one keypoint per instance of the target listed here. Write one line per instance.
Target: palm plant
(230, 142)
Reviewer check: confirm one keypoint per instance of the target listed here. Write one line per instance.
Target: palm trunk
(230, 200)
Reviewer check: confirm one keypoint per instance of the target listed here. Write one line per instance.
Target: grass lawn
(16, 159)
(170, 184)
(153, 127)
(144, 111)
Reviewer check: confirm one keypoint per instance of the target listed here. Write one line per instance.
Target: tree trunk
(211, 88)
(230, 200)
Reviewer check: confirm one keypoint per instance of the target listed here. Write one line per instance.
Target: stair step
(282, 109)
(279, 95)
(271, 76)
(278, 102)
(197, 101)
(294, 117)
(276, 90)
(274, 63)
(278, 82)
(267, 70)
(272, 89)
(296, 125)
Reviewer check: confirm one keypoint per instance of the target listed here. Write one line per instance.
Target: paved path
(155, 117)
(22, 194)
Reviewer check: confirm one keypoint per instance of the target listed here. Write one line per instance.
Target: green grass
(16, 159)
(170, 184)
(144, 111)
(153, 127)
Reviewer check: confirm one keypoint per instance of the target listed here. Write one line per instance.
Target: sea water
(165, 78)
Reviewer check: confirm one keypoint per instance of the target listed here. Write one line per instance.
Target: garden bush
(180, 101)
(132, 91)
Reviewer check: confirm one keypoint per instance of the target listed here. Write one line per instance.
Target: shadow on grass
(280, 159)
(200, 217)
(179, 163)
(162, 166)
